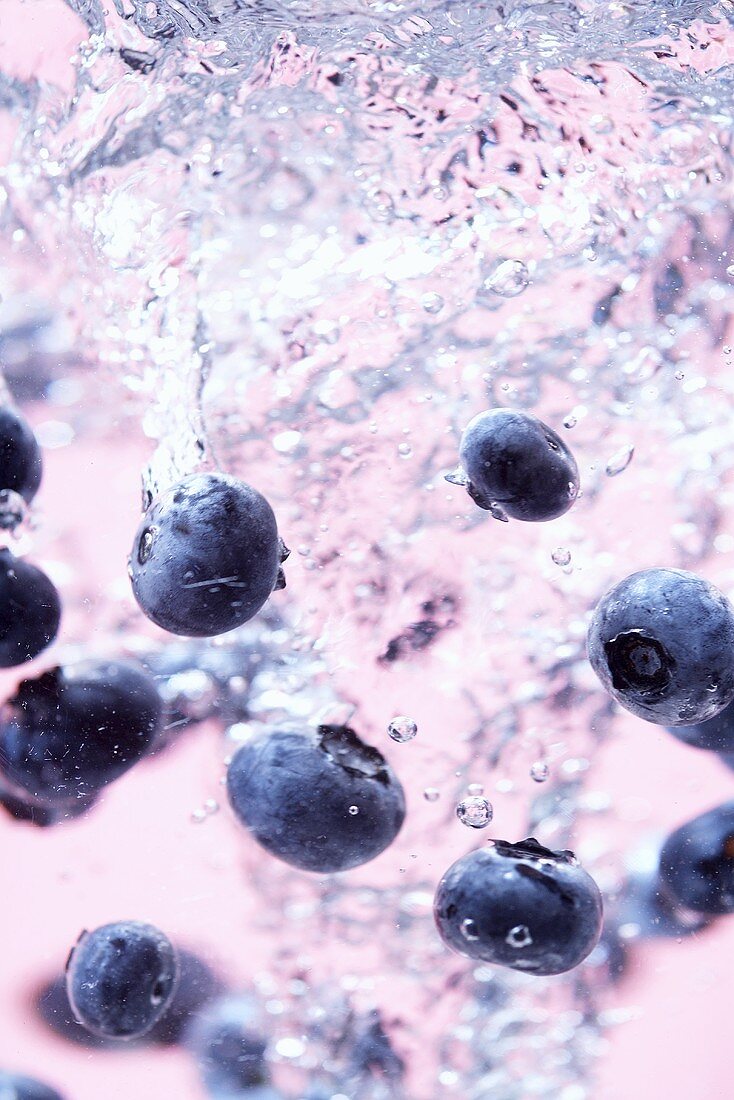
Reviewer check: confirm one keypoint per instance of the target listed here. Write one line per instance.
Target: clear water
(305, 243)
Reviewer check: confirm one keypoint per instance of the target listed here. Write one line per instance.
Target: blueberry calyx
(345, 748)
(531, 849)
(637, 661)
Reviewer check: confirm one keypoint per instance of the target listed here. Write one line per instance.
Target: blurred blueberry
(30, 610)
(697, 862)
(14, 1086)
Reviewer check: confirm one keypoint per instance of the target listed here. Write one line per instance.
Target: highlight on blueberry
(320, 800)
(20, 455)
(521, 906)
(206, 556)
(515, 466)
(70, 731)
(120, 979)
(30, 610)
(15, 1086)
(697, 862)
(662, 643)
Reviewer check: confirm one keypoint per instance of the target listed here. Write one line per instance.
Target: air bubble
(620, 460)
(13, 510)
(470, 929)
(508, 279)
(402, 729)
(431, 794)
(679, 376)
(475, 789)
(432, 303)
(353, 811)
(405, 450)
(475, 812)
(561, 556)
(519, 936)
(570, 421)
(539, 771)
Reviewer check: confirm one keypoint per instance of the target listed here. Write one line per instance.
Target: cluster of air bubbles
(402, 729)
(210, 807)
(506, 280)
(539, 771)
(619, 461)
(475, 812)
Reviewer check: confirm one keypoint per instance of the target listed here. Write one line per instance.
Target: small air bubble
(402, 729)
(519, 936)
(432, 303)
(405, 450)
(475, 812)
(431, 794)
(620, 460)
(354, 810)
(469, 929)
(730, 271)
(539, 771)
(561, 556)
(475, 789)
(570, 421)
(508, 279)
(679, 376)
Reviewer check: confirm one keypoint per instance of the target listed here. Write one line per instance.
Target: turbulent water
(305, 243)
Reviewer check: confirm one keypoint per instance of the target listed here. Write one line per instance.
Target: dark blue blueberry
(372, 1053)
(20, 455)
(697, 862)
(206, 556)
(662, 644)
(322, 800)
(229, 1046)
(69, 732)
(517, 466)
(716, 734)
(13, 1086)
(120, 979)
(197, 986)
(521, 906)
(30, 610)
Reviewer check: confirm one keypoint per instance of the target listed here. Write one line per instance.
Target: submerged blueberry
(662, 643)
(120, 979)
(14, 1086)
(206, 556)
(517, 466)
(69, 732)
(229, 1046)
(20, 455)
(521, 906)
(30, 610)
(322, 801)
(697, 862)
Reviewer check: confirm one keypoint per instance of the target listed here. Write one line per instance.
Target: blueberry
(41, 814)
(51, 1005)
(206, 556)
(521, 906)
(648, 912)
(14, 1086)
(322, 800)
(120, 979)
(372, 1053)
(517, 466)
(697, 862)
(69, 732)
(20, 455)
(30, 610)
(229, 1046)
(662, 644)
(715, 734)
